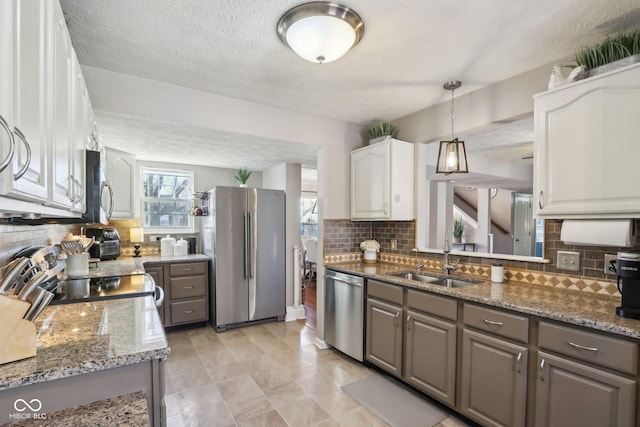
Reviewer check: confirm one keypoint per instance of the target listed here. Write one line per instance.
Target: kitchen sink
(449, 282)
(415, 276)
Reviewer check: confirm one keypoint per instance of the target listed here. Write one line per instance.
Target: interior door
(231, 269)
(267, 282)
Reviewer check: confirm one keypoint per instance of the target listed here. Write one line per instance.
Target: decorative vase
(243, 185)
(457, 240)
(379, 139)
(369, 257)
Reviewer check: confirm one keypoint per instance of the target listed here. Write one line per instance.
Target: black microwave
(95, 186)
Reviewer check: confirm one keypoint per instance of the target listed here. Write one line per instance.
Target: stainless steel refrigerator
(244, 234)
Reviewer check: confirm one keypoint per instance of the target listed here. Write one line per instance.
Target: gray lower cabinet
(569, 393)
(384, 336)
(186, 291)
(494, 366)
(430, 355)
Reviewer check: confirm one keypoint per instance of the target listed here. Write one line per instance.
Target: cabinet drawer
(189, 311)
(188, 269)
(385, 291)
(498, 322)
(590, 347)
(433, 304)
(186, 287)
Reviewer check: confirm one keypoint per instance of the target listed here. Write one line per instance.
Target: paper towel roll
(618, 232)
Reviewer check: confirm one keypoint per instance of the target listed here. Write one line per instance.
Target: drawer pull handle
(542, 370)
(518, 360)
(188, 287)
(408, 322)
(187, 269)
(492, 323)
(582, 347)
(188, 311)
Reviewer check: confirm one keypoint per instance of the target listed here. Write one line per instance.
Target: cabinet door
(384, 336)
(27, 179)
(430, 356)
(80, 136)
(7, 29)
(121, 175)
(494, 380)
(157, 273)
(370, 182)
(573, 394)
(60, 158)
(586, 148)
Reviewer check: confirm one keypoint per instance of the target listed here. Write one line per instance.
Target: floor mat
(395, 404)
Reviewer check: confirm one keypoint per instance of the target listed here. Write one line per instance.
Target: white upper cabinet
(587, 146)
(24, 97)
(382, 181)
(121, 176)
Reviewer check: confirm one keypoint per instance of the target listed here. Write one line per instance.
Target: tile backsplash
(16, 237)
(342, 243)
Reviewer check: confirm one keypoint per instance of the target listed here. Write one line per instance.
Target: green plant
(610, 50)
(243, 175)
(382, 129)
(458, 228)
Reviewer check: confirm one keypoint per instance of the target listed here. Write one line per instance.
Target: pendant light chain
(452, 113)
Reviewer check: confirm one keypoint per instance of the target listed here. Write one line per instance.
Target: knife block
(17, 336)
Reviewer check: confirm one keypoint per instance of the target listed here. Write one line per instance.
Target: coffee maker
(628, 271)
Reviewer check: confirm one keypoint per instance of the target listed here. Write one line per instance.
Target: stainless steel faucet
(446, 267)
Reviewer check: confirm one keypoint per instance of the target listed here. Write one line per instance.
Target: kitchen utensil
(24, 278)
(8, 267)
(85, 243)
(44, 302)
(34, 299)
(9, 280)
(69, 246)
(32, 284)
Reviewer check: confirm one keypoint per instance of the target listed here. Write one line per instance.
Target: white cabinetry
(23, 92)
(382, 181)
(586, 148)
(44, 100)
(121, 175)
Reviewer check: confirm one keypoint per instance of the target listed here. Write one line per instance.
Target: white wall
(135, 96)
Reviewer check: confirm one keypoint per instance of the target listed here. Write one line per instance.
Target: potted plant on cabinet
(381, 131)
(458, 230)
(614, 52)
(243, 176)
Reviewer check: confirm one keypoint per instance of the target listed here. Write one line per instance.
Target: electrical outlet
(568, 261)
(607, 260)
(394, 244)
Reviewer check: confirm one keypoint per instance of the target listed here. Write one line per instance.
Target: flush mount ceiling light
(452, 157)
(320, 31)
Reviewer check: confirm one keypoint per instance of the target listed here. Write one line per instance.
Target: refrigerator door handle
(250, 246)
(246, 245)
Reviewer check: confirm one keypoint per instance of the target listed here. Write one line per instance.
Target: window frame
(187, 173)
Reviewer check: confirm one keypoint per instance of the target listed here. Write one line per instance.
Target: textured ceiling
(409, 49)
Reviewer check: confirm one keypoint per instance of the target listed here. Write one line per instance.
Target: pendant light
(452, 156)
(320, 31)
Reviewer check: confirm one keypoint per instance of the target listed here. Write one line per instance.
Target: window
(309, 215)
(166, 199)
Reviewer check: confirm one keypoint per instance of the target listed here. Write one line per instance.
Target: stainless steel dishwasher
(343, 313)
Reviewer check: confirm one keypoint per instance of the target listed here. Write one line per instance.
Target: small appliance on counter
(107, 245)
(627, 267)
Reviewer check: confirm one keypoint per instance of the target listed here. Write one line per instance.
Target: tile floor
(263, 375)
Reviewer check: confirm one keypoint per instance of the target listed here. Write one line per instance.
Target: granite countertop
(75, 339)
(125, 266)
(128, 410)
(578, 308)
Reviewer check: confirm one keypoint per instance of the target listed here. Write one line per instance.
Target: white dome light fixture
(320, 31)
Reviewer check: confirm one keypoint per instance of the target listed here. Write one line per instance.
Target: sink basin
(449, 282)
(415, 276)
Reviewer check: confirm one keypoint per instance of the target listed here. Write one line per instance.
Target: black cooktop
(101, 288)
